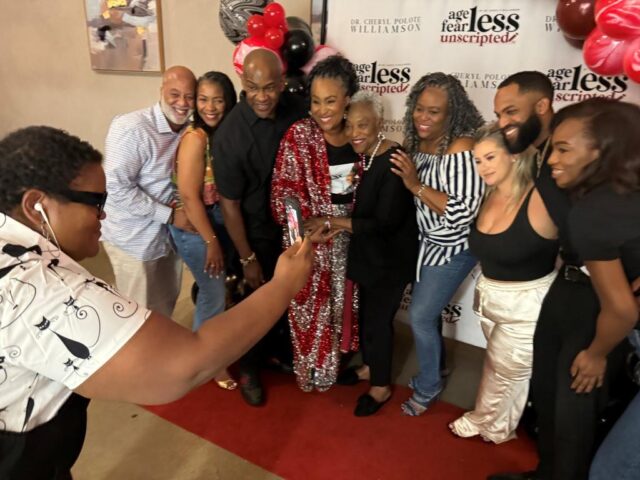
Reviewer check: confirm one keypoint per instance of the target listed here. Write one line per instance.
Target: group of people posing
(210, 175)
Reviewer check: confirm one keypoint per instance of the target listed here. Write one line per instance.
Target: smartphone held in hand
(294, 219)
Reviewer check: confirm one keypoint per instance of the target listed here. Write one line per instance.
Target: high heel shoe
(228, 384)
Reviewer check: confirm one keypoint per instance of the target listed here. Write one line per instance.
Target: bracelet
(208, 242)
(250, 259)
(422, 188)
(327, 223)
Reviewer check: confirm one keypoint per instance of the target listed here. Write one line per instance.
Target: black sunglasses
(93, 199)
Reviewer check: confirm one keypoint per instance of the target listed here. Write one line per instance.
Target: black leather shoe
(367, 405)
(514, 476)
(348, 376)
(251, 390)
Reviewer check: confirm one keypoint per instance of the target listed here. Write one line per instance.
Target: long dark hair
(463, 118)
(612, 127)
(228, 93)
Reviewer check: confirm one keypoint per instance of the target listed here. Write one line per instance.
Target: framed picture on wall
(125, 35)
(319, 20)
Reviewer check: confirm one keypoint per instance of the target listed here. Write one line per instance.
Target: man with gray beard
(138, 161)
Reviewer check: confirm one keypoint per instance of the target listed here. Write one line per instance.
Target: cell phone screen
(294, 219)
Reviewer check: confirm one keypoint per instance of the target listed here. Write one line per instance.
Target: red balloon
(255, 42)
(274, 15)
(274, 38)
(631, 61)
(256, 26)
(620, 19)
(575, 18)
(603, 54)
(600, 4)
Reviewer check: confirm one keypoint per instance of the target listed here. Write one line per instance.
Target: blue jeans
(193, 251)
(619, 455)
(430, 296)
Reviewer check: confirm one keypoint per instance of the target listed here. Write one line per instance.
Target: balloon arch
(610, 30)
(252, 24)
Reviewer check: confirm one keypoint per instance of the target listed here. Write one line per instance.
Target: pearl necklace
(367, 165)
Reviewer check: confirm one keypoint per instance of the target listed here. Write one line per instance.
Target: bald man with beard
(244, 152)
(139, 153)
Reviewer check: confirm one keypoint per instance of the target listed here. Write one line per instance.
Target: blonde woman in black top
(514, 240)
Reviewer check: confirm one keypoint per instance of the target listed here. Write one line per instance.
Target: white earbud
(40, 209)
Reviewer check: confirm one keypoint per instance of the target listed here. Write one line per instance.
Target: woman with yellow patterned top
(204, 251)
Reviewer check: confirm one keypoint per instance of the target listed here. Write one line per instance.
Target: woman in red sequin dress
(316, 165)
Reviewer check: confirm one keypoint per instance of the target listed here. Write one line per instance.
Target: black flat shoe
(349, 376)
(367, 405)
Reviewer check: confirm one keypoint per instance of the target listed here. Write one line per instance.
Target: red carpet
(315, 436)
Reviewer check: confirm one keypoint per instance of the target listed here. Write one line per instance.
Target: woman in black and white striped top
(440, 172)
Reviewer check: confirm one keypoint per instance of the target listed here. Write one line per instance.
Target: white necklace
(367, 165)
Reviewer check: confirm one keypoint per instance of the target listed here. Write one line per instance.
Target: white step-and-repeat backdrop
(394, 42)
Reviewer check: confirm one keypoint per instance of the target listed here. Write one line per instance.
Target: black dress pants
(277, 342)
(49, 451)
(567, 421)
(378, 306)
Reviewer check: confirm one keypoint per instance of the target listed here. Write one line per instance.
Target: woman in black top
(596, 155)
(514, 240)
(383, 248)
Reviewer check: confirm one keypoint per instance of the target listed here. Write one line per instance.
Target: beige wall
(46, 76)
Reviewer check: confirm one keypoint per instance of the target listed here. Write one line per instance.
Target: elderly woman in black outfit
(383, 248)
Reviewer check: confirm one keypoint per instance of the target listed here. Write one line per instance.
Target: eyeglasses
(93, 199)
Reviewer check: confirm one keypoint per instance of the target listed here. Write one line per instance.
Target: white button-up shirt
(139, 154)
(58, 325)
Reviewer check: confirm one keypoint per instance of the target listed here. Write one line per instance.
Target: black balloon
(298, 48)
(296, 23)
(296, 83)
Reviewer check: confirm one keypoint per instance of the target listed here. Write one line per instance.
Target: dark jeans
(378, 306)
(567, 421)
(277, 342)
(49, 451)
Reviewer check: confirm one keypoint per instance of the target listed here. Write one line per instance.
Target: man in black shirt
(566, 420)
(244, 151)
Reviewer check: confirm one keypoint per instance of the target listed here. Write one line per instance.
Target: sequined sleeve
(291, 174)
